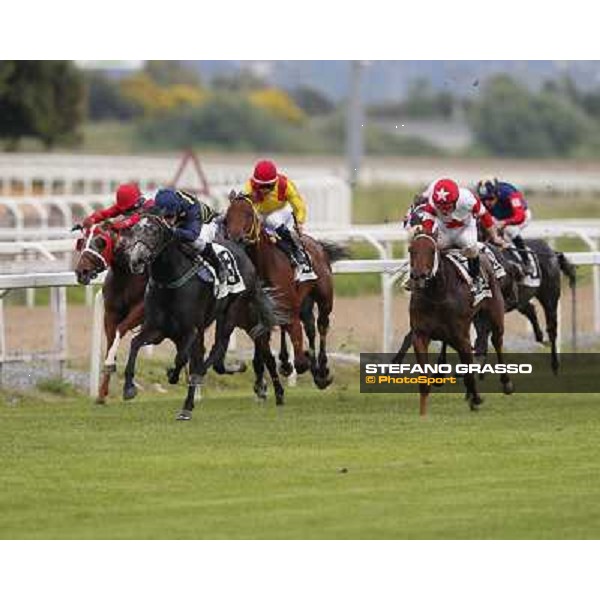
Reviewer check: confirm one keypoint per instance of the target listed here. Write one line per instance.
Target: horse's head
(96, 247)
(424, 260)
(241, 220)
(147, 239)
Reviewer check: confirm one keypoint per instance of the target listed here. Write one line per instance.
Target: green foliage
(312, 101)
(57, 387)
(509, 120)
(172, 72)
(224, 121)
(43, 99)
(421, 102)
(106, 102)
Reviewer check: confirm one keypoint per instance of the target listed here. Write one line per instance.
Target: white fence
(388, 268)
(329, 202)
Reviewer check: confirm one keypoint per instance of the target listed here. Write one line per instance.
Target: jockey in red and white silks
(454, 212)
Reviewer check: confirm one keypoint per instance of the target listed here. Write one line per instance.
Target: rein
(253, 236)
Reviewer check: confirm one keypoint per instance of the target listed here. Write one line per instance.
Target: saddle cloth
(534, 279)
(462, 265)
(499, 270)
(234, 284)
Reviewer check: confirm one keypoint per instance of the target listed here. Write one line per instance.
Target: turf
(333, 464)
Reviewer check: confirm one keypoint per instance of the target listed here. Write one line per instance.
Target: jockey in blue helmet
(193, 222)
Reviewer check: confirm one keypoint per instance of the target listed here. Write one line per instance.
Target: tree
(172, 72)
(511, 121)
(43, 99)
(312, 101)
(105, 101)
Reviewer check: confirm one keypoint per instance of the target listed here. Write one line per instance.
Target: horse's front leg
(184, 346)
(110, 332)
(145, 336)
(420, 342)
(195, 379)
(404, 348)
(294, 328)
(465, 353)
(285, 366)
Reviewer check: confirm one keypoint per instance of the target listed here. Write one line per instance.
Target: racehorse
(122, 290)
(441, 309)
(179, 306)
(242, 224)
(547, 292)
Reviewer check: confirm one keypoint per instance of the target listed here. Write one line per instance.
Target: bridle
(104, 263)
(253, 236)
(160, 247)
(436, 257)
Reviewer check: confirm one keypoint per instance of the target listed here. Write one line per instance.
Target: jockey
(280, 206)
(129, 201)
(456, 211)
(509, 209)
(193, 222)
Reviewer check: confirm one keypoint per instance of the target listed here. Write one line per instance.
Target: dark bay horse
(441, 309)
(519, 296)
(123, 291)
(242, 224)
(179, 306)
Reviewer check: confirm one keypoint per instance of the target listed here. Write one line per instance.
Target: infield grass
(333, 464)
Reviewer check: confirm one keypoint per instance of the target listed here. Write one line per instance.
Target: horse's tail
(269, 313)
(333, 251)
(568, 268)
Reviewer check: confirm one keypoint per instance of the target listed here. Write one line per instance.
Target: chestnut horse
(123, 291)
(242, 224)
(441, 308)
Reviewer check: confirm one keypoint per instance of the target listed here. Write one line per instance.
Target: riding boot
(212, 259)
(289, 245)
(475, 273)
(522, 249)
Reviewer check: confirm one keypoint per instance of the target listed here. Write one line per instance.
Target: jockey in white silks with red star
(454, 212)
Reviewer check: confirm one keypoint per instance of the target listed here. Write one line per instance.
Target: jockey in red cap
(454, 212)
(129, 200)
(280, 206)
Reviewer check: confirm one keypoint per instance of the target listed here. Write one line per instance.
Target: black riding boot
(289, 245)
(212, 259)
(522, 249)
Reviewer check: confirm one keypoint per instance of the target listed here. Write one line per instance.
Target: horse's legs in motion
(482, 329)
(308, 320)
(110, 330)
(114, 334)
(497, 341)
(145, 336)
(294, 328)
(184, 346)
(324, 378)
(197, 371)
(550, 305)
(404, 348)
(529, 311)
(262, 357)
(285, 366)
(420, 344)
(466, 357)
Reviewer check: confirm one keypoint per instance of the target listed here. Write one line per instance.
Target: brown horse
(122, 290)
(242, 224)
(441, 308)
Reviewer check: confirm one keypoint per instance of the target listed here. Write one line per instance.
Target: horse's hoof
(172, 376)
(129, 392)
(286, 369)
(219, 369)
(301, 367)
(184, 415)
(475, 402)
(324, 382)
(260, 389)
(508, 388)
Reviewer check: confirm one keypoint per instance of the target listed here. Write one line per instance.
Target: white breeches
(208, 232)
(281, 216)
(464, 238)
